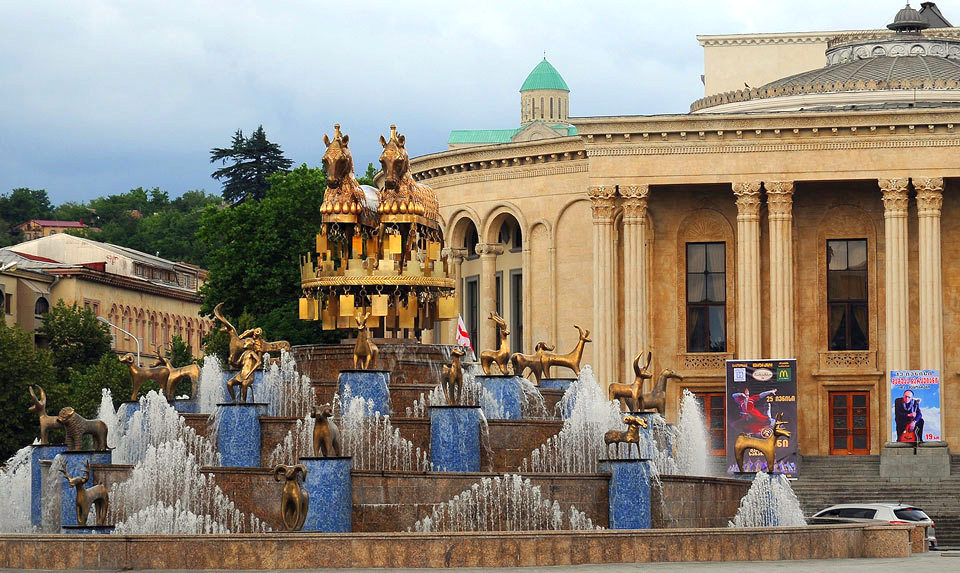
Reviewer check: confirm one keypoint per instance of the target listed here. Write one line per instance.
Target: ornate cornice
(507, 174)
(929, 196)
(779, 199)
(489, 249)
(895, 198)
(748, 199)
(454, 254)
(709, 40)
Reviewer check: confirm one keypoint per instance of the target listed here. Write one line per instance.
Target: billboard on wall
(757, 392)
(915, 395)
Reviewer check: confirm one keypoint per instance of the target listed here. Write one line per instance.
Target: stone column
(455, 258)
(896, 271)
(780, 219)
(748, 268)
(487, 330)
(527, 290)
(929, 201)
(605, 345)
(636, 336)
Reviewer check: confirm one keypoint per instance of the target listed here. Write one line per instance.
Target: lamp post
(127, 332)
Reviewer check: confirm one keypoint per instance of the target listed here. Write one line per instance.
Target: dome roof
(878, 69)
(544, 77)
(907, 19)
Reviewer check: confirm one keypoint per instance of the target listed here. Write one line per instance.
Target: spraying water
(155, 423)
(161, 519)
(15, 489)
(510, 503)
(211, 389)
(690, 445)
(286, 392)
(770, 502)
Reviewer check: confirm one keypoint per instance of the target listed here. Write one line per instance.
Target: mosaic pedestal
(331, 494)
(86, 529)
(186, 406)
(371, 385)
(255, 390)
(455, 438)
(127, 409)
(508, 392)
(37, 453)
(238, 434)
(74, 461)
(629, 493)
(557, 383)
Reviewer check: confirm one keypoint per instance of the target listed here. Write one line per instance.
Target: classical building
(36, 228)
(152, 298)
(803, 208)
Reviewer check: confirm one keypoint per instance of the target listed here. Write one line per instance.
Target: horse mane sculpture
(570, 360)
(532, 362)
(656, 399)
(500, 356)
(632, 392)
(629, 436)
(453, 375)
(364, 350)
(326, 435)
(96, 496)
(343, 194)
(46, 422)
(189, 372)
(77, 426)
(139, 375)
(294, 501)
(767, 446)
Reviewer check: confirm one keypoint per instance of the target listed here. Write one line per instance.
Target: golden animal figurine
(656, 399)
(570, 360)
(500, 356)
(295, 501)
(629, 436)
(532, 362)
(46, 422)
(139, 375)
(453, 375)
(87, 496)
(326, 435)
(77, 426)
(237, 345)
(344, 196)
(767, 446)
(631, 392)
(189, 372)
(250, 361)
(364, 351)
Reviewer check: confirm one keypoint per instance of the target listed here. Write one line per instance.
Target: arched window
(551, 108)
(541, 108)
(42, 307)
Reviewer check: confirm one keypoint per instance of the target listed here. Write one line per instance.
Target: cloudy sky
(99, 97)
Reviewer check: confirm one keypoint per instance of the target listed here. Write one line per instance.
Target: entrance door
(714, 411)
(850, 423)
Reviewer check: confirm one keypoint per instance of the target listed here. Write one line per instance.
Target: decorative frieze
(707, 361)
(848, 360)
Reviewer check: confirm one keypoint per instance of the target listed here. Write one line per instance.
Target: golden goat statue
(570, 360)
(326, 435)
(632, 392)
(629, 436)
(294, 501)
(46, 422)
(767, 446)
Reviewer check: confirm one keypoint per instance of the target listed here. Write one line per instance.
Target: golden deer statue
(140, 375)
(767, 446)
(189, 372)
(453, 375)
(500, 356)
(629, 436)
(326, 435)
(47, 422)
(364, 349)
(96, 496)
(294, 500)
(632, 392)
(532, 362)
(656, 399)
(570, 360)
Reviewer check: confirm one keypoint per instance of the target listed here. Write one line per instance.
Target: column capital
(929, 196)
(489, 249)
(748, 199)
(779, 199)
(455, 254)
(895, 197)
(634, 203)
(604, 205)
(602, 192)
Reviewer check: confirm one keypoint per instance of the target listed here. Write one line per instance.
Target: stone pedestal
(127, 409)
(370, 385)
(331, 494)
(508, 393)
(556, 383)
(86, 529)
(745, 476)
(629, 493)
(915, 463)
(238, 434)
(74, 461)
(37, 453)
(186, 406)
(256, 387)
(455, 438)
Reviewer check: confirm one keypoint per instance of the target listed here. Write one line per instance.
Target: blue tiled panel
(186, 406)
(38, 453)
(557, 383)
(629, 494)
(80, 529)
(369, 384)
(68, 496)
(508, 392)
(331, 494)
(256, 387)
(455, 438)
(238, 434)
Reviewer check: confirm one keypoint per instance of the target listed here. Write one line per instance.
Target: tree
(75, 336)
(367, 178)
(21, 365)
(254, 160)
(23, 204)
(84, 391)
(180, 353)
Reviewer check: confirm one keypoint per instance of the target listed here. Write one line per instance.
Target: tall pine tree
(253, 159)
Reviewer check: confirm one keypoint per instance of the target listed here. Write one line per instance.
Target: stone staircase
(830, 480)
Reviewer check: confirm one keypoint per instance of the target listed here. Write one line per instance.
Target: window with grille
(706, 297)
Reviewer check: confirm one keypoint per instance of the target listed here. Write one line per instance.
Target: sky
(100, 97)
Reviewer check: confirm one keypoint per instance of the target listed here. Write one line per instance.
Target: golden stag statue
(656, 399)
(189, 372)
(294, 501)
(500, 356)
(767, 446)
(326, 435)
(77, 426)
(453, 375)
(532, 362)
(364, 350)
(140, 375)
(570, 360)
(96, 496)
(46, 422)
(629, 436)
(632, 392)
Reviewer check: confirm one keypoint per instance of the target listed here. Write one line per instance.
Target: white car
(888, 512)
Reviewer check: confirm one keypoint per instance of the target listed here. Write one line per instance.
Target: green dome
(544, 77)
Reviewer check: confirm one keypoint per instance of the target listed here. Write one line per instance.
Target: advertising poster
(915, 395)
(759, 392)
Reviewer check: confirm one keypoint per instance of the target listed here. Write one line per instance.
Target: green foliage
(21, 365)
(23, 204)
(217, 343)
(180, 353)
(254, 159)
(368, 176)
(84, 391)
(75, 336)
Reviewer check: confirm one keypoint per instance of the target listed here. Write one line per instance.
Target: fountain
(769, 503)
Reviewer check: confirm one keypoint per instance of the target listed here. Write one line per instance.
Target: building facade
(809, 217)
(36, 228)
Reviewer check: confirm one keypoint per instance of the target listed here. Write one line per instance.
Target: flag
(463, 337)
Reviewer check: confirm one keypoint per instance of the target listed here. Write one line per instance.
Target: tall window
(471, 310)
(516, 310)
(706, 297)
(847, 294)
(41, 307)
(499, 287)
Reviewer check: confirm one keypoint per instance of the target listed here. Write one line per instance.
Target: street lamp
(127, 332)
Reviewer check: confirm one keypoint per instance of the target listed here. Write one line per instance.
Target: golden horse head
(338, 161)
(394, 161)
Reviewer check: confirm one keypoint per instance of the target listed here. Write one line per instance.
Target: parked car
(888, 512)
